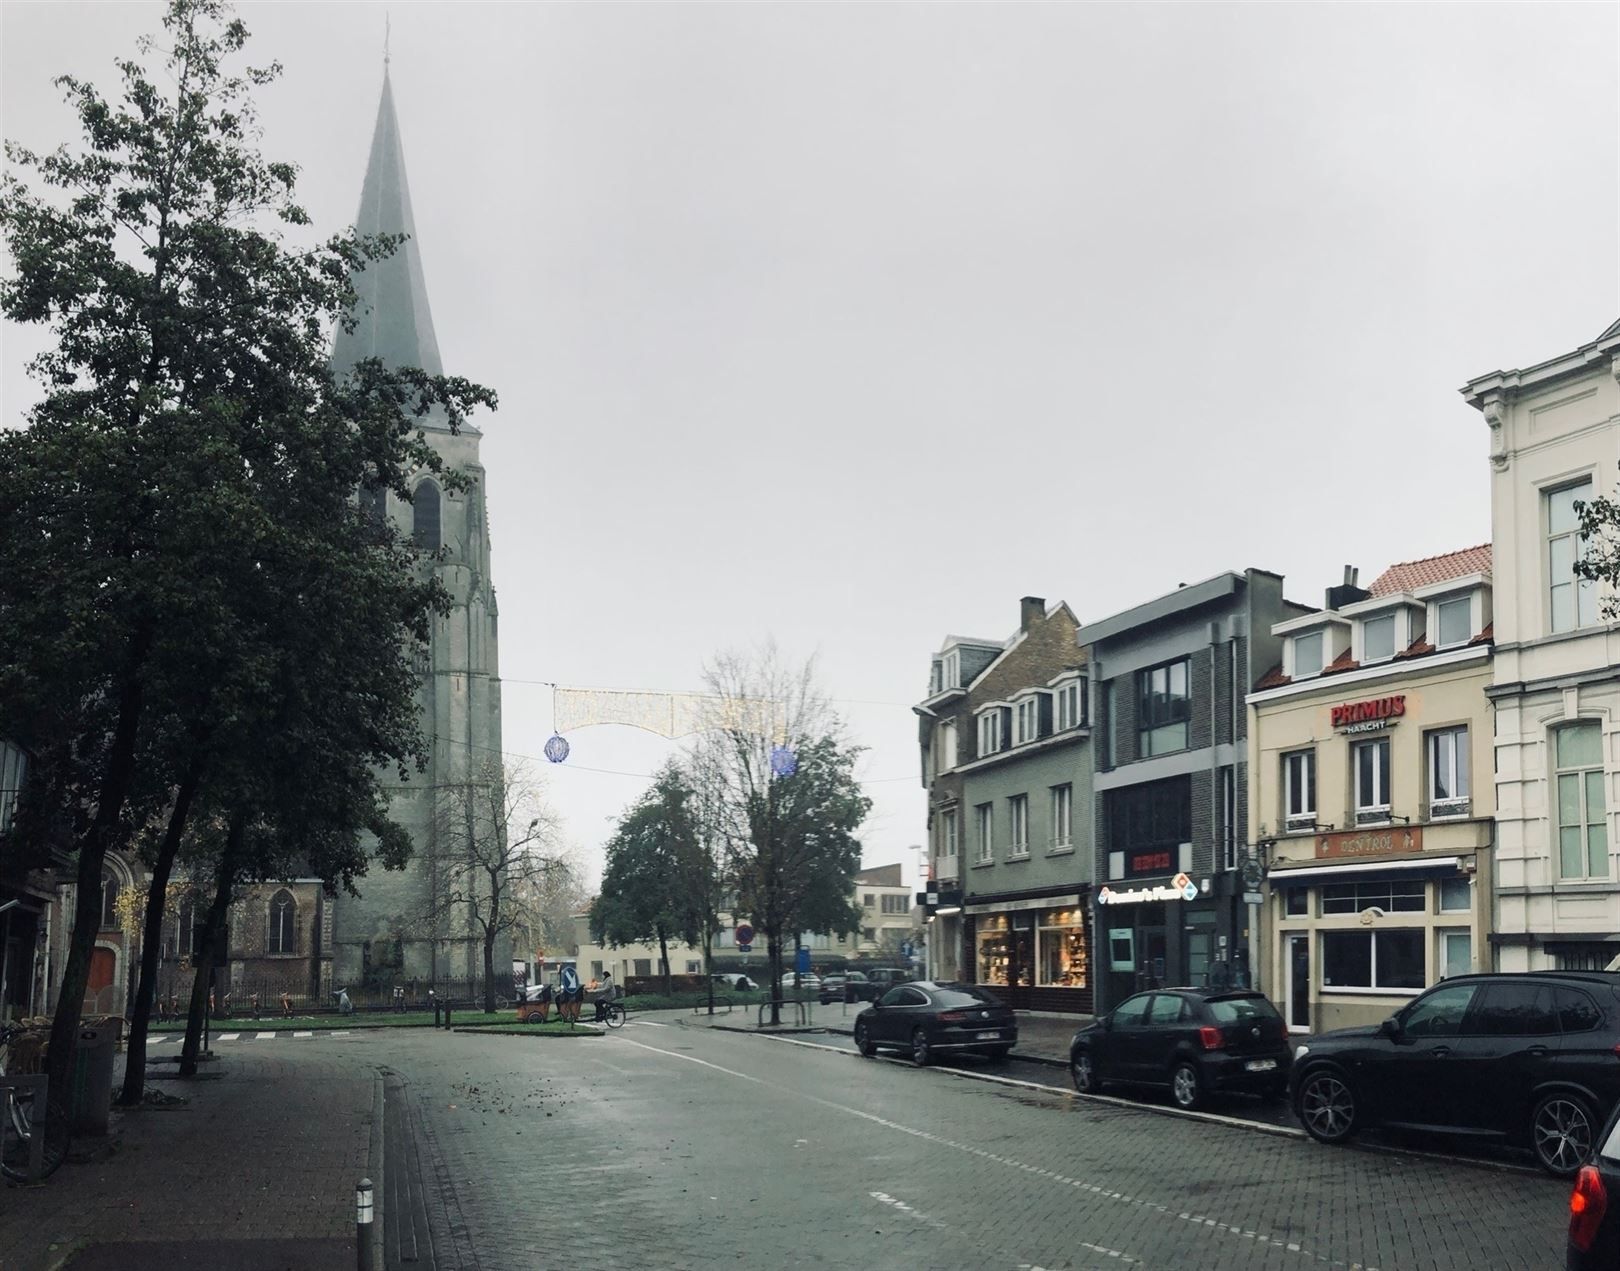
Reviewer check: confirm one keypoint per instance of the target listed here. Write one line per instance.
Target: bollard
(362, 1224)
(447, 1014)
(435, 1012)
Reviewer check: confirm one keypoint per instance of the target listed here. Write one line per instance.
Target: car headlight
(1301, 1051)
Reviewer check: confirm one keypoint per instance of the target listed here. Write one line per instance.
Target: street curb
(378, 1163)
(515, 1030)
(778, 1031)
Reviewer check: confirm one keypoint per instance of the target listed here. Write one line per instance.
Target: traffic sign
(802, 962)
(745, 935)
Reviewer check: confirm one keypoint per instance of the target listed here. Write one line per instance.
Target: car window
(913, 997)
(894, 997)
(1440, 1013)
(1130, 1012)
(1577, 1013)
(1513, 1009)
(854, 975)
(1167, 1008)
(1230, 1010)
(965, 995)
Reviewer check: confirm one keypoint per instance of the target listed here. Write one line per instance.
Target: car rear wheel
(921, 1053)
(1327, 1107)
(1084, 1073)
(1561, 1133)
(1185, 1086)
(863, 1040)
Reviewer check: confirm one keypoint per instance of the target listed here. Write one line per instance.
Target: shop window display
(1064, 959)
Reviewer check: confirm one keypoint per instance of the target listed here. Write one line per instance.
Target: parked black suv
(1531, 1058)
(1194, 1041)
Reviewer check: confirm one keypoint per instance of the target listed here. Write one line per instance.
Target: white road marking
(338, 1032)
(646, 1023)
(229, 1037)
(1215, 1118)
(263, 1037)
(303, 1034)
(1093, 1189)
(883, 1198)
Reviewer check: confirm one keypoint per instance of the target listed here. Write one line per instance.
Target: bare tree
(774, 772)
(497, 842)
(547, 904)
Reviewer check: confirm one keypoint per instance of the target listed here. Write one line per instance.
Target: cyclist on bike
(605, 993)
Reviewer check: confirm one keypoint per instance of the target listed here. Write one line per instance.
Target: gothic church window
(425, 501)
(109, 902)
(283, 923)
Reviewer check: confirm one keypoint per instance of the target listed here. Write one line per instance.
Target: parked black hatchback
(1529, 1058)
(1195, 1041)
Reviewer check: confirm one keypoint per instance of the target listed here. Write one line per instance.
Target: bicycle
(21, 1121)
(612, 1014)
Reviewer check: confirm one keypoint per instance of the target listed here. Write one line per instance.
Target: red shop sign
(1374, 713)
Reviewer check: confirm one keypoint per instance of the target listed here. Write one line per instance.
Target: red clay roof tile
(1412, 574)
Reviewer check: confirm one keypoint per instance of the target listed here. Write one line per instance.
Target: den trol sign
(1379, 842)
(1369, 716)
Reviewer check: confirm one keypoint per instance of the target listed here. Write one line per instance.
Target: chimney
(1031, 609)
(1347, 593)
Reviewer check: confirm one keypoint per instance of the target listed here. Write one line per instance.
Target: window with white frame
(1070, 712)
(1062, 815)
(947, 833)
(1453, 622)
(1572, 601)
(1456, 895)
(1456, 952)
(1384, 958)
(1378, 638)
(1018, 814)
(950, 670)
(985, 816)
(1027, 721)
(1448, 772)
(992, 730)
(1299, 790)
(1369, 774)
(1307, 654)
(1583, 840)
(947, 745)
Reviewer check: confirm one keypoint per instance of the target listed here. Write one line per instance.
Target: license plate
(989, 1037)
(1260, 1065)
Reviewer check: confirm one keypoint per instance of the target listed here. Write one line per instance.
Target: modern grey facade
(1168, 680)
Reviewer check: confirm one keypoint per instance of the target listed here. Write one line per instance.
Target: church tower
(397, 928)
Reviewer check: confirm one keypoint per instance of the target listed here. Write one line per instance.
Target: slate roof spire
(395, 323)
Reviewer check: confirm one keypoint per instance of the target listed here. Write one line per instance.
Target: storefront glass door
(1299, 983)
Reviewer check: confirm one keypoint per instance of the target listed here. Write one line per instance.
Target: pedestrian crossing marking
(303, 1034)
(261, 1036)
(229, 1037)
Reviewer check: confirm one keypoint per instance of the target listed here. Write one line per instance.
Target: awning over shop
(1281, 877)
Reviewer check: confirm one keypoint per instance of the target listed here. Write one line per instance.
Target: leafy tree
(779, 780)
(646, 884)
(496, 839)
(1600, 549)
(191, 458)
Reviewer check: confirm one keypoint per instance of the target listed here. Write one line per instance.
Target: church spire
(395, 323)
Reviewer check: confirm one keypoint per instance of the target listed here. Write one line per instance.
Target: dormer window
(1027, 720)
(1308, 655)
(936, 678)
(950, 670)
(993, 730)
(1453, 622)
(1070, 705)
(1378, 638)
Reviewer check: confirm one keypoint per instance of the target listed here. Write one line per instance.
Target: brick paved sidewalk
(256, 1171)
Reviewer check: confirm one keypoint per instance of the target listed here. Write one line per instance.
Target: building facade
(886, 918)
(1007, 757)
(1176, 897)
(1371, 793)
(1554, 442)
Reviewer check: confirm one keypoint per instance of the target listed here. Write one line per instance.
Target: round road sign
(745, 934)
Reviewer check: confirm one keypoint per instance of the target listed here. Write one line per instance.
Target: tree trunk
(92, 855)
(212, 933)
(152, 942)
(663, 957)
(773, 955)
(489, 970)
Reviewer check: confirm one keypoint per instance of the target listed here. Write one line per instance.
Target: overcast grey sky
(854, 324)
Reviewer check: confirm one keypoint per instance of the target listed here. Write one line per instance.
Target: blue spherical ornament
(556, 748)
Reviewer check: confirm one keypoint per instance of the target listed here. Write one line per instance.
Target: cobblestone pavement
(259, 1164)
(668, 1147)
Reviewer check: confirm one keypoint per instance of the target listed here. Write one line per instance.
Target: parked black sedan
(1527, 1058)
(847, 986)
(1594, 1206)
(1193, 1041)
(926, 1019)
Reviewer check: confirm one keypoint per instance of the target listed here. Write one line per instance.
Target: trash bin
(90, 1086)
